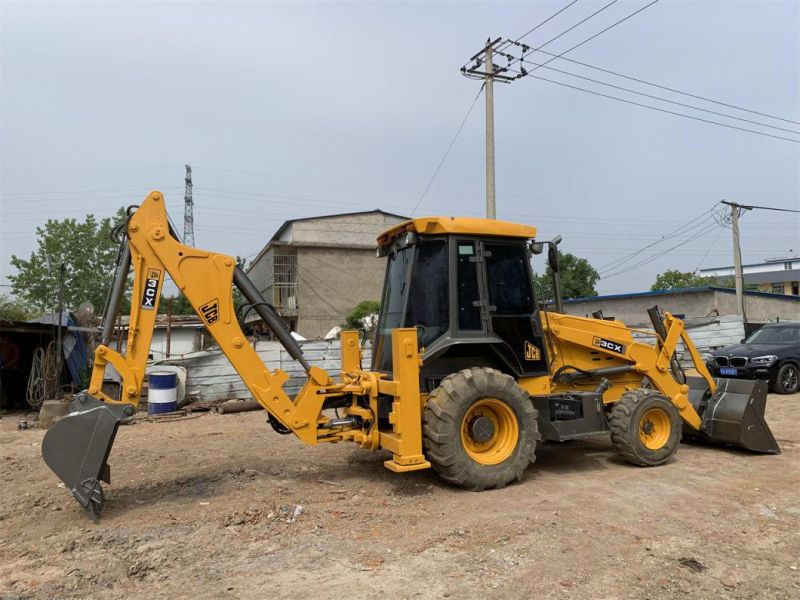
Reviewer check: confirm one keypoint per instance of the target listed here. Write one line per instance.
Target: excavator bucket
(734, 415)
(76, 448)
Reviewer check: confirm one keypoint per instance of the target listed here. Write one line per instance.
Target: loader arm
(615, 343)
(206, 279)
(723, 411)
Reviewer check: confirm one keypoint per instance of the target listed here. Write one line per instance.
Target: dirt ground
(202, 508)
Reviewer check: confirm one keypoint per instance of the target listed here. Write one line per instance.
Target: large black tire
(459, 441)
(787, 380)
(645, 427)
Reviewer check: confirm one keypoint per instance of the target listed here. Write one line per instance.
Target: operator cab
(467, 286)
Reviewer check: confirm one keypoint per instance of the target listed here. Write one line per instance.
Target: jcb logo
(150, 292)
(608, 345)
(210, 311)
(532, 352)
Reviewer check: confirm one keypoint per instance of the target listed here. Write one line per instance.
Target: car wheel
(788, 379)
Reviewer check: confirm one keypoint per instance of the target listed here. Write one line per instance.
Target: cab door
(510, 305)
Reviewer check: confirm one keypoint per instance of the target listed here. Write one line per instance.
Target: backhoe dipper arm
(205, 278)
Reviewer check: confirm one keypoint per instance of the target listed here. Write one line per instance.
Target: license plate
(728, 371)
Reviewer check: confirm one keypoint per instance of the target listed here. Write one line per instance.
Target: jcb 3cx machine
(468, 373)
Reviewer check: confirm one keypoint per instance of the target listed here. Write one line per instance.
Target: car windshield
(775, 335)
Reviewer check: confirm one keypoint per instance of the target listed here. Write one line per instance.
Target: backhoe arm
(205, 278)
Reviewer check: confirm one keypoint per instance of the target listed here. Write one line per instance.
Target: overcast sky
(295, 109)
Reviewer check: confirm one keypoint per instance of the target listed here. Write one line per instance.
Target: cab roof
(457, 225)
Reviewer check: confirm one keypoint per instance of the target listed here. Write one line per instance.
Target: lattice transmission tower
(188, 210)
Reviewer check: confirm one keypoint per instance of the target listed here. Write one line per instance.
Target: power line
(578, 24)
(589, 39)
(662, 253)
(447, 152)
(85, 169)
(713, 243)
(81, 192)
(664, 110)
(550, 18)
(654, 97)
(752, 206)
(665, 87)
(666, 237)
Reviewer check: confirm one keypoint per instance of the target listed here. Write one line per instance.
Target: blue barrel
(162, 395)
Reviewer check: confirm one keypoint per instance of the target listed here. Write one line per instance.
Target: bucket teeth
(76, 448)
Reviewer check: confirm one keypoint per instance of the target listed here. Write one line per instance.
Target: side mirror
(537, 247)
(552, 257)
(741, 341)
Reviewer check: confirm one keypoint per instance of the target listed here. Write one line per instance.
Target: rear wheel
(787, 380)
(480, 429)
(645, 427)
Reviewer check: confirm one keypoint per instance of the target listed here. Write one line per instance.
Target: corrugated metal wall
(210, 376)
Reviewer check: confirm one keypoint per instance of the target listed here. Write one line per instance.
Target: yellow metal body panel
(351, 351)
(206, 279)
(594, 344)
(458, 225)
(405, 439)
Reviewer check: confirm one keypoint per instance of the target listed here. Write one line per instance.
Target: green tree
(358, 320)
(88, 254)
(12, 309)
(675, 280)
(578, 278)
(180, 305)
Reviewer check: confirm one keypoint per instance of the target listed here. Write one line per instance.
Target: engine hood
(751, 350)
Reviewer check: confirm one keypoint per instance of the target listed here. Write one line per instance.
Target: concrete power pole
(188, 210)
(489, 82)
(737, 259)
(484, 69)
(59, 331)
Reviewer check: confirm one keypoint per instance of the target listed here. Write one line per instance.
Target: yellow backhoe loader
(468, 371)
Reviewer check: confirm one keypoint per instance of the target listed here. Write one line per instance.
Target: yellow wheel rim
(489, 431)
(655, 428)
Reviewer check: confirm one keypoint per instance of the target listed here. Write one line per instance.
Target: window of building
(796, 288)
(777, 287)
(284, 278)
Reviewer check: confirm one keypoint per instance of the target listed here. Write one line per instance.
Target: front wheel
(480, 429)
(787, 380)
(645, 427)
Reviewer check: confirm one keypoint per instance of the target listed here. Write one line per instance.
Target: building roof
(178, 321)
(692, 290)
(458, 225)
(768, 262)
(286, 224)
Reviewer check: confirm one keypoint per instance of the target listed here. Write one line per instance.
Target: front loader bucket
(76, 448)
(734, 415)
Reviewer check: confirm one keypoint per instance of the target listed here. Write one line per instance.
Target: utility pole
(59, 337)
(188, 210)
(485, 70)
(490, 185)
(169, 326)
(737, 258)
